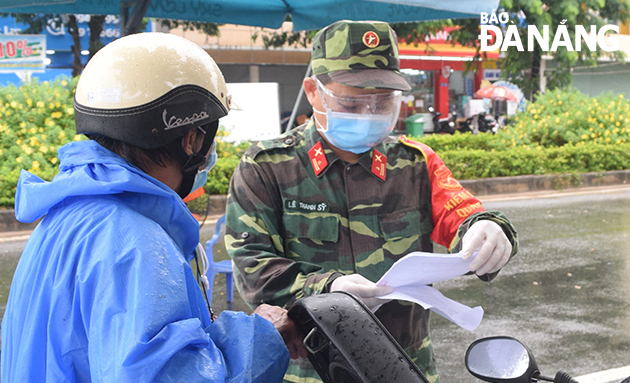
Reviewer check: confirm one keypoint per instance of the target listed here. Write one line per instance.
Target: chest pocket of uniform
(400, 224)
(316, 226)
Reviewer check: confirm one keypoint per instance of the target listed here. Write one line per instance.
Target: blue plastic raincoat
(104, 291)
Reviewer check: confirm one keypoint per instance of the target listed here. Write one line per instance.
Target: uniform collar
(367, 160)
(313, 139)
(375, 162)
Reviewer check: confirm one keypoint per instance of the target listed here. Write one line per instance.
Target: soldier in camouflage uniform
(325, 207)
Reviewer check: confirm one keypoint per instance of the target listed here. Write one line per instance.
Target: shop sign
(22, 53)
(491, 64)
(491, 74)
(58, 36)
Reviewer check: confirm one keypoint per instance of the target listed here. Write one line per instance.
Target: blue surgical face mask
(202, 175)
(357, 122)
(356, 133)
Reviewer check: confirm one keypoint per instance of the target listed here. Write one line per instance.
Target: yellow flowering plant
(563, 131)
(561, 117)
(35, 120)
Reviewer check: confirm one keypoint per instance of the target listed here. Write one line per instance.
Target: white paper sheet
(420, 268)
(409, 278)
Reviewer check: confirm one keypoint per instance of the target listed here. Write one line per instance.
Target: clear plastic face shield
(357, 123)
(375, 104)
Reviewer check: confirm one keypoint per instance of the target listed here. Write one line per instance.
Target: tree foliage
(274, 39)
(523, 68)
(36, 22)
(210, 29)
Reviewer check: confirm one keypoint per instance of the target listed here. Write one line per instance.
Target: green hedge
(562, 117)
(38, 118)
(35, 120)
(562, 132)
(467, 141)
(583, 158)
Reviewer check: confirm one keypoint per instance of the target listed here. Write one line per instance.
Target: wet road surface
(566, 295)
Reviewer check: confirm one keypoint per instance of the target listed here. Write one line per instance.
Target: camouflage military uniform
(298, 217)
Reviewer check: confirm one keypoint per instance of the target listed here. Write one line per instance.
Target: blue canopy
(22, 3)
(306, 14)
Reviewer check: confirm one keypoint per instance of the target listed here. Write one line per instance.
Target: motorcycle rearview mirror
(501, 359)
(504, 359)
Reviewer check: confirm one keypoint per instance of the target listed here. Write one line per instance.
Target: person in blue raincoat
(104, 291)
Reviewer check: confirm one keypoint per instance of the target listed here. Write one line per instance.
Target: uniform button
(349, 169)
(245, 235)
(288, 141)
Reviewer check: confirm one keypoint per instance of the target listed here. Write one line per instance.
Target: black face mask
(191, 163)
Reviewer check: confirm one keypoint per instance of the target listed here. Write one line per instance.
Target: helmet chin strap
(192, 163)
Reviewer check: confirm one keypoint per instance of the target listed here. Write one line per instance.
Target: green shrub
(580, 158)
(463, 141)
(199, 205)
(35, 120)
(472, 164)
(219, 177)
(565, 117)
(38, 118)
(227, 149)
(557, 118)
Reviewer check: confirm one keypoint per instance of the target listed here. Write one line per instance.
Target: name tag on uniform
(295, 205)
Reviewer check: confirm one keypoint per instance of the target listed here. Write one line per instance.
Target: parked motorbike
(504, 359)
(487, 123)
(442, 125)
(480, 123)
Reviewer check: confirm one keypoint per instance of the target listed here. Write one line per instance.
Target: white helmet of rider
(149, 90)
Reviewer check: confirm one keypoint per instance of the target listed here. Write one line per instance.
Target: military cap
(362, 54)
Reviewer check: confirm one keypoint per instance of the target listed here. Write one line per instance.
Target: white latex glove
(362, 288)
(494, 247)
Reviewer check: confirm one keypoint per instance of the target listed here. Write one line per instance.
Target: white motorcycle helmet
(150, 89)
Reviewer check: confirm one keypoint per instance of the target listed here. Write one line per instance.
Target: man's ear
(188, 141)
(310, 88)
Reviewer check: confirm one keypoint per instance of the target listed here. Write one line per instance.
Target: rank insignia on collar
(318, 158)
(379, 164)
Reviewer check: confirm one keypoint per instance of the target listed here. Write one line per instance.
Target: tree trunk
(535, 79)
(96, 27)
(73, 28)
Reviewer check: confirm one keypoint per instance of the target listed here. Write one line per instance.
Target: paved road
(565, 295)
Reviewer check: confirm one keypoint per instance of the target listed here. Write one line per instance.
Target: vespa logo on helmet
(175, 122)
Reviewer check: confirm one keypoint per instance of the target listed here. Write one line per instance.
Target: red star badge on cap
(318, 158)
(379, 164)
(371, 39)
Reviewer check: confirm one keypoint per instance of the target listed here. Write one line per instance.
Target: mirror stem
(538, 376)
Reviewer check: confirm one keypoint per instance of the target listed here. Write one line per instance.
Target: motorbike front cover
(348, 344)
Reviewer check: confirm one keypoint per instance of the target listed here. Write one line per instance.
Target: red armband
(451, 204)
